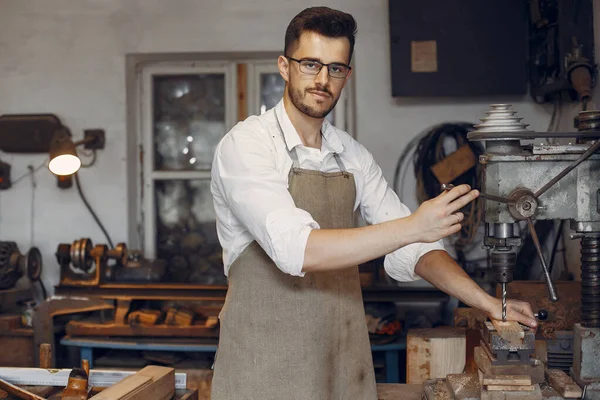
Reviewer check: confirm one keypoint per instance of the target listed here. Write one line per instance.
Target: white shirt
(252, 202)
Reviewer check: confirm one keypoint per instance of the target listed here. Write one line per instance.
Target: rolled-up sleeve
(245, 172)
(380, 204)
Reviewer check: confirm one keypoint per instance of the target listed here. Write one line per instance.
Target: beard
(298, 97)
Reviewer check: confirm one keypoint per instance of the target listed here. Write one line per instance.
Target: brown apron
(296, 338)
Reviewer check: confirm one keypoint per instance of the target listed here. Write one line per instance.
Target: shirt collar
(331, 137)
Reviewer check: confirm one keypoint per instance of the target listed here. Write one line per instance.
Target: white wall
(68, 58)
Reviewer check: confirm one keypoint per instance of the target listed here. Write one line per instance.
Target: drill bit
(503, 302)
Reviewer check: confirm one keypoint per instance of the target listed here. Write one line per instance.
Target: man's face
(316, 95)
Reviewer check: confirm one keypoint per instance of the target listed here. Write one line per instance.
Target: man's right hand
(438, 218)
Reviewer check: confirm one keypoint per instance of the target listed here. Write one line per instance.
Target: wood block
(464, 386)
(550, 394)
(511, 388)
(124, 387)
(487, 395)
(144, 317)
(394, 391)
(436, 389)
(507, 380)
(536, 394)
(434, 353)
(455, 164)
(536, 371)
(179, 317)
(511, 331)
(563, 384)
(151, 382)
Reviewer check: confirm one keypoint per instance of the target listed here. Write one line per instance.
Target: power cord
(87, 204)
(431, 150)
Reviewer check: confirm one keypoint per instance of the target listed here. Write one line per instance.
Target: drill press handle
(542, 315)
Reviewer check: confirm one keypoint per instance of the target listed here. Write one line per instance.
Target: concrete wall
(68, 58)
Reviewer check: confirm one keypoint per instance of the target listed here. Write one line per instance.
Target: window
(186, 108)
(265, 85)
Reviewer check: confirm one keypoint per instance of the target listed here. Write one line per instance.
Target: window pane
(271, 90)
(272, 86)
(186, 232)
(189, 120)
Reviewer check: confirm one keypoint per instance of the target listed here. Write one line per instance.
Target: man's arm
(439, 269)
(328, 249)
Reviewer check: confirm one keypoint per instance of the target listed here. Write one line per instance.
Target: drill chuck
(503, 265)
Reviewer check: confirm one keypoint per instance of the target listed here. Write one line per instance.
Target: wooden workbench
(385, 391)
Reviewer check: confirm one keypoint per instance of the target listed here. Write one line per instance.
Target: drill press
(527, 182)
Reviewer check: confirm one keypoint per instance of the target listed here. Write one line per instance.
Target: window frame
(140, 148)
(149, 174)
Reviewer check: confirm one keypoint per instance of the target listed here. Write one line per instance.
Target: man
(285, 187)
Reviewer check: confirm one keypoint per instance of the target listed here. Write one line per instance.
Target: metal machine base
(586, 359)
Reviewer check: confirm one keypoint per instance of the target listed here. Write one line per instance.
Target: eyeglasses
(311, 67)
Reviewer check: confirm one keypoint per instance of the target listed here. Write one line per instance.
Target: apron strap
(294, 155)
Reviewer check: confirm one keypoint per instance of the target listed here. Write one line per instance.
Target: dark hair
(324, 21)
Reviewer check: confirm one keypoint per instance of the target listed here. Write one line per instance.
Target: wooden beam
(242, 91)
(511, 388)
(507, 380)
(563, 384)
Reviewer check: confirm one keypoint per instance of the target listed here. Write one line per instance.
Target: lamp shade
(63, 157)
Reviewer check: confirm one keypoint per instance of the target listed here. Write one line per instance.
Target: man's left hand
(519, 311)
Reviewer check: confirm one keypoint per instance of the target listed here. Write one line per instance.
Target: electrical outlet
(99, 139)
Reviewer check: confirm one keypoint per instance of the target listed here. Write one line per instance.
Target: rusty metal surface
(586, 356)
(562, 315)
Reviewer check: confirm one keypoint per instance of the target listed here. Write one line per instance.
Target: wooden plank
(162, 387)
(124, 387)
(536, 394)
(242, 91)
(563, 384)
(17, 391)
(511, 388)
(151, 382)
(434, 353)
(79, 328)
(510, 331)
(395, 391)
(524, 380)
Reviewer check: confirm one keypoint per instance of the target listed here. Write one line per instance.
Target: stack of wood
(493, 381)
